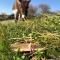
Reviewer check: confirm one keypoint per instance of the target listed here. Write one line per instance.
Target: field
(44, 30)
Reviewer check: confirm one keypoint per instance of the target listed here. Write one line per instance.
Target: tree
(44, 8)
(58, 12)
(3, 16)
(32, 11)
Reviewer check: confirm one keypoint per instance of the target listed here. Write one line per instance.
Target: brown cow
(20, 8)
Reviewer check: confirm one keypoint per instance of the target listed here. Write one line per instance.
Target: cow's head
(25, 6)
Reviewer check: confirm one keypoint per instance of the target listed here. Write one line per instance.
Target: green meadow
(44, 30)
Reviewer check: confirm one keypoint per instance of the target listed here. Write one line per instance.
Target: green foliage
(45, 31)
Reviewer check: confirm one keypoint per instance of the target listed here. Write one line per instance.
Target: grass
(44, 30)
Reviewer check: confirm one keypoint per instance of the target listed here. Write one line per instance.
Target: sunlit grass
(44, 30)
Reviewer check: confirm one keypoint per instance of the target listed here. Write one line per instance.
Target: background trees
(44, 8)
(37, 10)
(32, 11)
(3, 16)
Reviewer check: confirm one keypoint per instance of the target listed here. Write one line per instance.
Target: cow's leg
(23, 16)
(15, 12)
(26, 13)
(19, 17)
